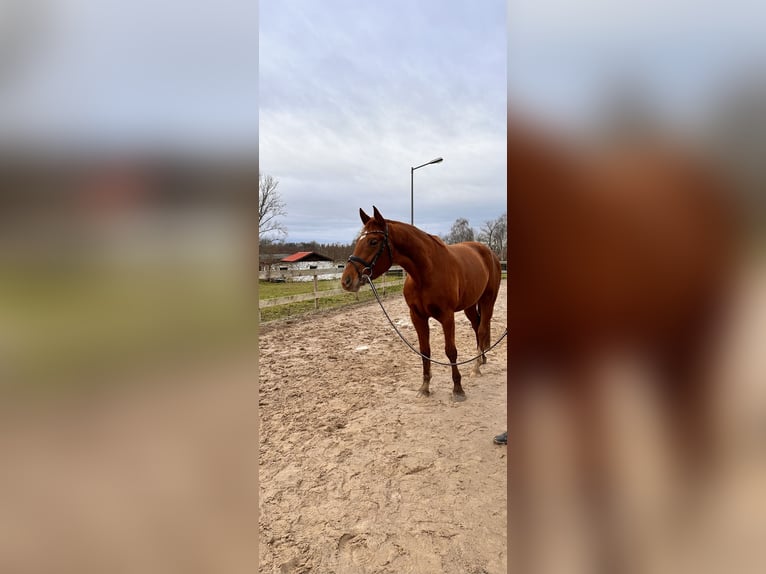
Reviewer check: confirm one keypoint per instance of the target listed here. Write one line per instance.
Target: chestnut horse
(441, 279)
(628, 249)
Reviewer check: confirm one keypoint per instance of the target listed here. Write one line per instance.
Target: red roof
(305, 256)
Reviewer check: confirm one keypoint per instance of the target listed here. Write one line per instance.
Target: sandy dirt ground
(157, 475)
(358, 473)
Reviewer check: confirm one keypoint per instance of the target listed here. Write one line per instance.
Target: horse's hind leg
(421, 326)
(448, 324)
(486, 308)
(475, 318)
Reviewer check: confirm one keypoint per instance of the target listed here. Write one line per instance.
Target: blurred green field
(91, 325)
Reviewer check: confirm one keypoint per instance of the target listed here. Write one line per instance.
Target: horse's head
(372, 255)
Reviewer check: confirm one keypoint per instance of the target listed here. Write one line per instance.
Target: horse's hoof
(422, 393)
(458, 397)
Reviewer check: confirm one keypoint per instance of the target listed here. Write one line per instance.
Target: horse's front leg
(448, 324)
(421, 326)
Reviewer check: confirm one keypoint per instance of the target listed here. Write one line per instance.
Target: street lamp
(412, 187)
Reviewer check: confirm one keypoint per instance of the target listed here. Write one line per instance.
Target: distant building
(305, 256)
(300, 261)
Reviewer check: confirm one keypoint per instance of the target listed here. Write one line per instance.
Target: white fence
(283, 271)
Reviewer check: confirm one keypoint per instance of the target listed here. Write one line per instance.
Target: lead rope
(375, 292)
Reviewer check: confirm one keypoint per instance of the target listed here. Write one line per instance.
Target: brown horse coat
(623, 250)
(630, 248)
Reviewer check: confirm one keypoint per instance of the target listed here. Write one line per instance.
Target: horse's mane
(435, 238)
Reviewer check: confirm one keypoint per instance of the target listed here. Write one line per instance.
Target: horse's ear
(364, 216)
(377, 215)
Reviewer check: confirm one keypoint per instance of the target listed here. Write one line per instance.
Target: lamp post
(412, 187)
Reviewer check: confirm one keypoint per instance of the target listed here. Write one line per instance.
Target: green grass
(268, 290)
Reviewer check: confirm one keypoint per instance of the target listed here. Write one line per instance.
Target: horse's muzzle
(349, 281)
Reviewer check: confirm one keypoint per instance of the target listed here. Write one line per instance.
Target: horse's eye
(373, 242)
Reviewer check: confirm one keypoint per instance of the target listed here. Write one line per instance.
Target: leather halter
(370, 265)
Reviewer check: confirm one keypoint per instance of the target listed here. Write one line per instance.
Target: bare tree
(270, 207)
(460, 231)
(495, 234)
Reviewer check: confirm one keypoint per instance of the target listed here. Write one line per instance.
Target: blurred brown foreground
(637, 382)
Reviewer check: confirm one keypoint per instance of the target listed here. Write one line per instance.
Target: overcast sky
(342, 97)
(119, 74)
(565, 55)
(353, 94)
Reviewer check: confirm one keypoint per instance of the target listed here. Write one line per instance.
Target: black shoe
(501, 438)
